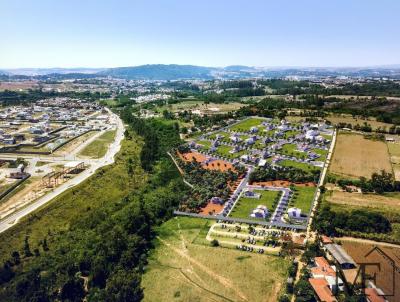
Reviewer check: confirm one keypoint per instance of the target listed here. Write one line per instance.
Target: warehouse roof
(339, 254)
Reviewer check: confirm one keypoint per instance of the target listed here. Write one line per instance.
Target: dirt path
(222, 280)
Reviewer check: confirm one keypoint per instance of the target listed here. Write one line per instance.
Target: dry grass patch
(394, 150)
(179, 270)
(390, 201)
(356, 156)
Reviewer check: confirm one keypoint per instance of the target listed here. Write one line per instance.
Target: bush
(214, 243)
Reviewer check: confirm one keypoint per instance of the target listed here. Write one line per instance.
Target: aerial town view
(197, 151)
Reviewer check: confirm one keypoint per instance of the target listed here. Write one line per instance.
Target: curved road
(113, 149)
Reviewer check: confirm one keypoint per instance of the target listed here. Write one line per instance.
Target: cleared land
(73, 144)
(98, 148)
(245, 125)
(356, 156)
(181, 270)
(394, 150)
(200, 105)
(303, 198)
(245, 206)
(389, 201)
(295, 164)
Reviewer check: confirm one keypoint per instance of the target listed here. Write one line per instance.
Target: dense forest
(103, 253)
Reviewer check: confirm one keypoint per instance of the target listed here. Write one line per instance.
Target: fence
(10, 189)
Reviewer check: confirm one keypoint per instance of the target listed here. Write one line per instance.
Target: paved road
(11, 220)
(320, 183)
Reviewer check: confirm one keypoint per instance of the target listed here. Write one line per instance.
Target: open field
(304, 199)
(348, 119)
(386, 202)
(99, 146)
(180, 270)
(386, 205)
(20, 85)
(245, 206)
(245, 125)
(109, 183)
(200, 105)
(291, 149)
(356, 156)
(72, 145)
(394, 151)
(295, 164)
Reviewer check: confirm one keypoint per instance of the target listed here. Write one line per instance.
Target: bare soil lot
(356, 156)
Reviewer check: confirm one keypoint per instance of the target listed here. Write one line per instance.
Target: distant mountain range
(177, 72)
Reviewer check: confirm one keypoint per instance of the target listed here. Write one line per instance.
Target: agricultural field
(356, 156)
(245, 206)
(184, 267)
(394, 151)
(98, 148)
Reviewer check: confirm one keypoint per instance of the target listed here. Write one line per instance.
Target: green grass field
(245, 206)
(322, 153)
(181, 270)
(245, 125)
(98, 148)
(303, 198)
(303, 166)
(206, 144)
(109, 183)
(291, 133)
(291, 149)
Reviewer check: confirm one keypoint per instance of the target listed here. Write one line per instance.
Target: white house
(260, 212)
(294, 212)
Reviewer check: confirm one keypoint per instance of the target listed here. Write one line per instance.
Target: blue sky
(99, 33)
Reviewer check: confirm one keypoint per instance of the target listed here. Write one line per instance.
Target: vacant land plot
(303, 198)
(200, 105)
(298, 165)
(245, 125)
(356, 156)
(180, 270)
(98, 148)
(73, 144)
(245, 206)
(291, 149)
(386, 202)
(394, 150)
(348, 119)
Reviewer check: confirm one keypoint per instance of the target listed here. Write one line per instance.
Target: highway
(107, 159)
